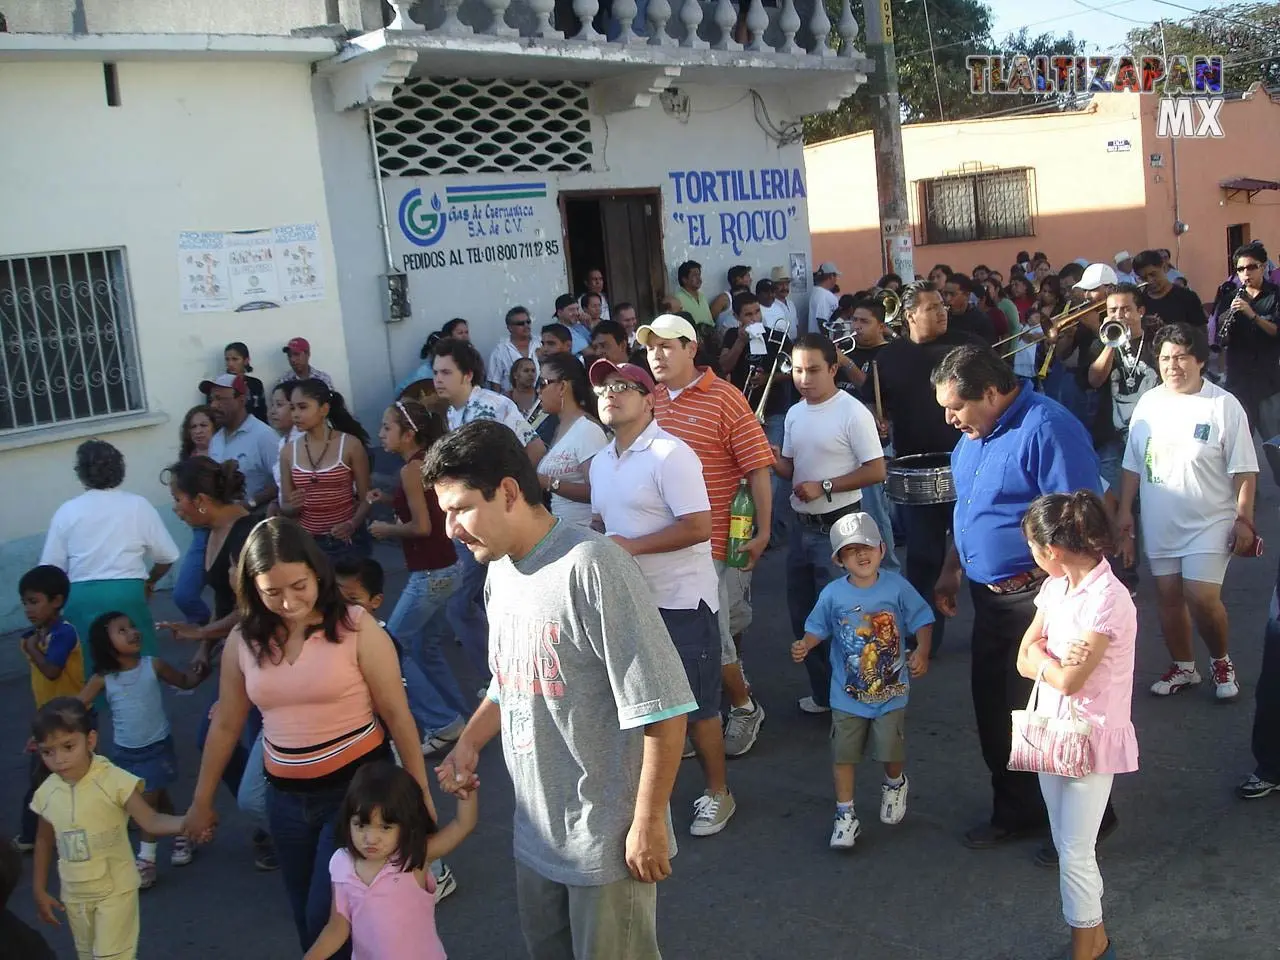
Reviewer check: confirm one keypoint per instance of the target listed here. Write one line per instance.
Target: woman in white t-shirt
(566, 392)
(1190, 456)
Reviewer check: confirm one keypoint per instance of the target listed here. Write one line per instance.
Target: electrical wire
(783, 136)
(1210, 14)
(933, 56)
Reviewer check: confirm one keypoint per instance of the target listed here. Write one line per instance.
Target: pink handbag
(1043, 744)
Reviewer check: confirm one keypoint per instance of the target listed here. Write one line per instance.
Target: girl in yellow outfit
(84, 810)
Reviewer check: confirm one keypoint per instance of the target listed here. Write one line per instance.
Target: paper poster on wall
(799, 273)
(245, 270)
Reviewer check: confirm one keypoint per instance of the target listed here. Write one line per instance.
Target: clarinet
(1225, 321)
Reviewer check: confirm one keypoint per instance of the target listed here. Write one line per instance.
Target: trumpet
(1113, 334)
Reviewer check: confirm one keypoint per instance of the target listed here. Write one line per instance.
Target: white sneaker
(845, 831)
(711, 813)
(1223, 673)
(810, 705)
(893, 801)
(183, 852)
(1176, 680)
(446, 883)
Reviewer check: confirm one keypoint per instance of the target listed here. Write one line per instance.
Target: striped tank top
(329, 492)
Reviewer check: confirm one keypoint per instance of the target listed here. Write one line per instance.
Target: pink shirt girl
(1100, 604)
(392, 918)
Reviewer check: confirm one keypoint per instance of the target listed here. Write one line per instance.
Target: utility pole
(896, 250)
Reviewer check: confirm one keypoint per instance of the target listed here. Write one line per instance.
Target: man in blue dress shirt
(1016, 446)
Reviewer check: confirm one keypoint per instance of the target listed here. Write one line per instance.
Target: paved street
(1190, 874)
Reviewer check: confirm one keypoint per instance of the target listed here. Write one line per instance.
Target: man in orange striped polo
(713, 418)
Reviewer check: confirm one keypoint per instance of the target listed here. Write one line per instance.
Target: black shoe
(1047, 855)
(988, 835)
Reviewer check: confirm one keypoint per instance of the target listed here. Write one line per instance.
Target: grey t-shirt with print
(581, 662)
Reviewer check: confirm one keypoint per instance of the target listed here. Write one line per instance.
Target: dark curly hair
(188, 446)
(281, 540)
(99, 465)
(221, 482)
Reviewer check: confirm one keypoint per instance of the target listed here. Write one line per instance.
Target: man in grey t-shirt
(589, 696)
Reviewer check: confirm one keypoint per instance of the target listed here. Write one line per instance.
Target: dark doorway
(618, 232)
(1238, 234)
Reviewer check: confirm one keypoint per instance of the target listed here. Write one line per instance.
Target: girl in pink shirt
(1081, 644)
(383, 891)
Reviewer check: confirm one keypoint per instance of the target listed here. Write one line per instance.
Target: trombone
(776, 336)
(1067, 318)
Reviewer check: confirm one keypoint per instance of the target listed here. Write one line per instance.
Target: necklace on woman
(315, 463)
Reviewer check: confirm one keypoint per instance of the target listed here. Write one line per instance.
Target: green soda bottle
(742, 520)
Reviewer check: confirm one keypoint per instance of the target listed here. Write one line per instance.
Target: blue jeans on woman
(303, 827)
(466, 611)
(426, 593)
(189, 584)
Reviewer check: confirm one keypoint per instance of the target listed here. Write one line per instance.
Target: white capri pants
(1075, 814)
(1201, 567)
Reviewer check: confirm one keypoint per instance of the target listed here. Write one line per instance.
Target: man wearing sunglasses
(519, 343)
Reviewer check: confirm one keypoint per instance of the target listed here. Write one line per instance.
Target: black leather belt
(823, 522)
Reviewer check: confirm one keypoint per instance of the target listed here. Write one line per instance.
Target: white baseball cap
(1121, 257)
(667, 326)
(853, 528)
(1097, 275)
(828, 269)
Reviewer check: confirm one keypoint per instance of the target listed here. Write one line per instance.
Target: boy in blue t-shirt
(865, 620)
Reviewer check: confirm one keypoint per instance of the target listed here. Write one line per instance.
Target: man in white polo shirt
(648, 494)
(242, 437)
(830, 452)
(519, 344)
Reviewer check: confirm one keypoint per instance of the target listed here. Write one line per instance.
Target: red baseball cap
(298, 344)
(602, 369)
(231, 380)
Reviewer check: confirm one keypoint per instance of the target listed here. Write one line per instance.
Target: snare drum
(920, 479)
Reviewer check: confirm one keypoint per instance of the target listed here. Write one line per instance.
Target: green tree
(1246, 34)
(960, 28)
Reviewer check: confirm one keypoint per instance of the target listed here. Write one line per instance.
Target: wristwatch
(827, 487)
(555, 484)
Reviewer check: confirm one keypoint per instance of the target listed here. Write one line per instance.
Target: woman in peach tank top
(327, 680)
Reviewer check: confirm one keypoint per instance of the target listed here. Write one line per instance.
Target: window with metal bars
(990, 205)
(67, 336)
(440, 125)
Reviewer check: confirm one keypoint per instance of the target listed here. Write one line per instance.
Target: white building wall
(634, 149)
(193, 146)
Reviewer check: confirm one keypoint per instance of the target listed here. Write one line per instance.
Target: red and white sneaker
(1176, 680)
(1224, 679)
(146, 873)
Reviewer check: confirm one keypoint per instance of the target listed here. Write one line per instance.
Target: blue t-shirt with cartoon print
(867, 628)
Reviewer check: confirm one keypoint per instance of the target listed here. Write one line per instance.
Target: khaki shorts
(734, 614)
(886, 733)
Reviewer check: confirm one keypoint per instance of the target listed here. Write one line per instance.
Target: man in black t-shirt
(869, 338)
(1170, 302)
(963, 315)
(919, 425)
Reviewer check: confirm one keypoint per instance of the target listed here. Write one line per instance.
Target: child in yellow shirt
(52, 647)
(84, 810)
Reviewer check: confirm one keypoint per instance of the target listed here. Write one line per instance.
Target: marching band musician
(1247, 319)
(1016, 446)
(830, 453)
(919, 426)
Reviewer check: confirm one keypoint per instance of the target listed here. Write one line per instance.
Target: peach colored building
(1081, 184)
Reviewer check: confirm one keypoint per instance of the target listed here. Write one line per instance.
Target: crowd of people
(571, 511)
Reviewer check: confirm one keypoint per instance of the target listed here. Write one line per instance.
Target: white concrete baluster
(848, 30)
(625, 11)
(498, 26)
(659, 13)
(400, 17)
(757, 24)
(820, 24)
(691, 16)
(585, 11)
(726, 18)
(542, 28)
(789, 24)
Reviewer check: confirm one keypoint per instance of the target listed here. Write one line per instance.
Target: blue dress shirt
(1037, 447)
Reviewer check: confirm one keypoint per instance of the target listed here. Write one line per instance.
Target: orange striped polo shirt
(713, 418)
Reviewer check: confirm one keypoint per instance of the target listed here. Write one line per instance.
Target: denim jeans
(1266, 716)
(189, 583)
(1075, 813)
(784, 518)
(466, 611)
(426, 593)
(251, 797)
(303, 827)
(233, 772)
(876, 503)
(809, 569)
(927, 528)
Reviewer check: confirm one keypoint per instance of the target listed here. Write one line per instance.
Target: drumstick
(875, 383)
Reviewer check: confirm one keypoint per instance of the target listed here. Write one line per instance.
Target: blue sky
(1102, 24)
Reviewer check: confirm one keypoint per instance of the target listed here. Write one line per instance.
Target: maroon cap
(299, 344)
(602, 369)
(231, 380)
